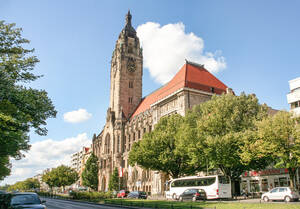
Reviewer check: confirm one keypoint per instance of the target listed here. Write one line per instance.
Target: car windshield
(274, 190)
(25, 199)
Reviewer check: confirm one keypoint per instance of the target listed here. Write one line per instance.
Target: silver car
(281, 193)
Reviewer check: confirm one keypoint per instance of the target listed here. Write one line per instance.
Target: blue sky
(74, 40)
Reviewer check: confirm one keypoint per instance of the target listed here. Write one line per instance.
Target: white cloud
(165, 49)
(46, 154)
(77, 116)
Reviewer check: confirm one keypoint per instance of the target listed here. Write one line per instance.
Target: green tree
(64, 176)
(31, 184)
(216, 131)
(113, 184)
(50, 179)
(18, 186)
(21, 107)
(90, 172)
(4, 167)
(4, 187)
(162, 150)
(277, 137)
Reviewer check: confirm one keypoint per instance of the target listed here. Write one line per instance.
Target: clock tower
(126, 72)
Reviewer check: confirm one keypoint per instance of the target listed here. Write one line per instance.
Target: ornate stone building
(129, 115)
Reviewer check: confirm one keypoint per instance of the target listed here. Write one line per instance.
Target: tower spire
(128, 29)
(128, 18)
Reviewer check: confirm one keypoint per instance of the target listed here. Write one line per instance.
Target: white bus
(215, 186)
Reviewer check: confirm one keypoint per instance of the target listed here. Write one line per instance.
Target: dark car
(193, 194)
(137, 195)
(4, 200)
(28, 200)
(122, 194)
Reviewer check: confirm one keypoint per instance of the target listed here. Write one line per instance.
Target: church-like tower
(126, 72)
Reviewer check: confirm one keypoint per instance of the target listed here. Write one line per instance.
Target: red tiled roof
(190, 75)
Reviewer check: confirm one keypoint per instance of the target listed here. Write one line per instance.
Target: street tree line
(29, 184)
(230, 133)
(60, 176)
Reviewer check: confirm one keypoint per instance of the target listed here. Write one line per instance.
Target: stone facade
(130, 116)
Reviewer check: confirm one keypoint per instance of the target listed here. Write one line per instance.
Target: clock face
(131, 66)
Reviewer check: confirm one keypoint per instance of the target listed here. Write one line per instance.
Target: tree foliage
(21, 107)
(162, 150)
(220, 128)
(113, 184)
(60, 177)
(50, 179)
(90, 172)
(4, 167)
(29, 184)
(4, 187)
(277, 137)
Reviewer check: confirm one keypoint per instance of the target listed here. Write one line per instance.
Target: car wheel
(287, 199)
(194, 199)
(180, 199)
(174, 196)
(266, 199)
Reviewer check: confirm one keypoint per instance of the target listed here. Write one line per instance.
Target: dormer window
(212, 89)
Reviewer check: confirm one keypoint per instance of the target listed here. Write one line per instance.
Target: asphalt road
(63, 204)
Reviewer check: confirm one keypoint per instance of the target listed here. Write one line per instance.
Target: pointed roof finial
(128, 18)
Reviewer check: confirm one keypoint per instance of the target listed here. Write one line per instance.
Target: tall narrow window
(130, 100)
(124, 144)
(131, 84)
(118, 145)
(139, 134)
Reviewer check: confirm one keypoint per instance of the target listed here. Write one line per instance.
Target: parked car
(193, 194)
(4, 200)
(137, 195)
(122, 194)
(281, 193)
(28, 200)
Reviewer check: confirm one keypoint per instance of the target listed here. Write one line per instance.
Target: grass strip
(200, 205)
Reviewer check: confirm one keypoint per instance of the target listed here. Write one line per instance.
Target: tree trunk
(292, 173)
